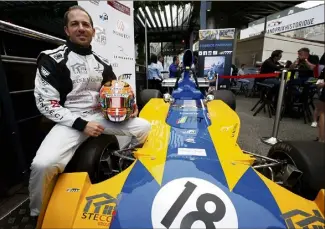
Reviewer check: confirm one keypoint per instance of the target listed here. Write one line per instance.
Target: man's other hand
(93, 129)
(135, 113)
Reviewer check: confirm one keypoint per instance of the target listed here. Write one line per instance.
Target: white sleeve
(48, 97)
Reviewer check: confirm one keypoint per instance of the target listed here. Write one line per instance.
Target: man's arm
(48, 98)
(272, 65)
(173, 68)
(312, 62)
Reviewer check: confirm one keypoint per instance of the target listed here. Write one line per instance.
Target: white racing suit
(67, 84)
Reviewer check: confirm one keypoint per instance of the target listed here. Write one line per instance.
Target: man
(304, 65)
(67, 85)
(320, 105)
(241, 70)
(272, 65)
(159, 62)
(173, 68)
(154, 73)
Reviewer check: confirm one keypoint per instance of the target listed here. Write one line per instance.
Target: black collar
(79, 49)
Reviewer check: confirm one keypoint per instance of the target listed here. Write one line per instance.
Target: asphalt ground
(253, 128)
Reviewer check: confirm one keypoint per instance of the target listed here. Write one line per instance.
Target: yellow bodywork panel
(153, 154)
(224, 131)
(289, 202)
(72, 215)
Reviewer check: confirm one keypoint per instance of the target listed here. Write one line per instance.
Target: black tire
(88, 155)
(148, 94)
(309, 158)
(228, 97)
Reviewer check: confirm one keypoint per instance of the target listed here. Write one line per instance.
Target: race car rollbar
(184, 87)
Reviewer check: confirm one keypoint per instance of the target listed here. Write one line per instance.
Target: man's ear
(66, 31)
(94, 32)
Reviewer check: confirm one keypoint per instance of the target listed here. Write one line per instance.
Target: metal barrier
(273, 139)
(21, 31)
(17, 59)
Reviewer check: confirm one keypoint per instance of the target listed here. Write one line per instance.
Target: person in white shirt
(159, 63)
(241, 70)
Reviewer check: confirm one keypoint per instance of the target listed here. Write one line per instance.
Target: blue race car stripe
(250, 188)
(253, 202)
(138, 193)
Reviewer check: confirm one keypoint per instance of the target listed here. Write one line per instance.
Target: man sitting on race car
(67, 85)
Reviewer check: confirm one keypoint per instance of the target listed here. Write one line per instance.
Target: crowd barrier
(284, 75)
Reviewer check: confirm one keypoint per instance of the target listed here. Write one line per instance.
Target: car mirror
(210, 97)
(167, 98)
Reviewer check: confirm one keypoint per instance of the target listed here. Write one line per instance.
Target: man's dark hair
(304, 50)
(276, 53)
(175, 58)
(243, 65)
(153, 58)
(76, 7)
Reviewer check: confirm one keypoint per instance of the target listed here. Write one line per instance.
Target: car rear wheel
(307, 157)
(88, 157)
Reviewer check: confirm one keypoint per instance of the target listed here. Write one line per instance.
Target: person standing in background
(154, 74)
(160, 63)
(173, 68)
(320, 106)
(241, 70)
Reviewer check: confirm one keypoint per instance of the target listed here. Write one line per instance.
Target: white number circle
(176, 206)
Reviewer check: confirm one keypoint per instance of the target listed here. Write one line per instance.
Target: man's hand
(93, 129)
(135, 113)
(320, 85)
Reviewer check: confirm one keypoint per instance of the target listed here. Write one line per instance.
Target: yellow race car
(190, 173)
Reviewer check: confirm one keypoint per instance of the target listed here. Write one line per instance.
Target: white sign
(114, 38)
(302, 19)
(191, 152)
(192, 203)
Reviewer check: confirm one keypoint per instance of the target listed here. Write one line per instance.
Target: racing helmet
(117, 100)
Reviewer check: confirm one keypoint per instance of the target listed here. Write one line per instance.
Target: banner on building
(215, 53)
(294, 21)
(114, 38)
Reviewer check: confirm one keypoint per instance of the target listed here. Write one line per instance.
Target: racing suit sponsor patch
(44, 72)
(41, 104)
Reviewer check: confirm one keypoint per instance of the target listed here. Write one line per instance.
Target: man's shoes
(313, 124)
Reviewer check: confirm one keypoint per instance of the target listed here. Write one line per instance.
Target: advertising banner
(114, 39)
(298, 20)
(215, 53)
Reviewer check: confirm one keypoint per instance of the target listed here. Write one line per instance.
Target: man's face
(278, 57)
(302, 55)
(177, 61)
(161, 59)
(79, 28)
